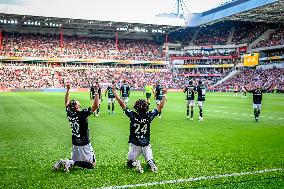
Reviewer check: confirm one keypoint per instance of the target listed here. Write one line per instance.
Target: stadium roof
(265, 11)
(271, 13)
(83, 26)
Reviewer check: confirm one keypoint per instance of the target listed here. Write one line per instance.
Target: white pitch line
(234, 113)
(193, 179)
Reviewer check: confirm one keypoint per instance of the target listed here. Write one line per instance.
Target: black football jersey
(92, 91)
(125, 90)
(159, 92)
(109, 92)
(257, 96)
(79, 125)
(140, 127)
(201, 90)
(189, 92)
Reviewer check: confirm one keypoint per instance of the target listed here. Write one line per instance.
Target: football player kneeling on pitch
(82, 151)
(139, 138)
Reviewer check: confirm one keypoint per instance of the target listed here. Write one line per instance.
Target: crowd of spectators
(48, 77)
(183, 36)
(206, 54)
(219, 71)
(251, 77)
(246, 34)
(275, 38)
(267, 62)
(213, 35)
(210, 62)
(34, 77)
(51, 46)
(276, 52)
(218, 34)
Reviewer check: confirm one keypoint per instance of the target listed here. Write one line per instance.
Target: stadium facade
(215, 46)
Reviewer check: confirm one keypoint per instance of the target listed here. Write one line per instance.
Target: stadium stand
(218, 64)
(276, 38)
(213, 35)
(251, 77)
(246, 33)
(48, 46)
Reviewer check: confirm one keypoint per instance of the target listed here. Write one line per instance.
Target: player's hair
(190, 82)
(141, 106)
(72, 105)
(200, 82)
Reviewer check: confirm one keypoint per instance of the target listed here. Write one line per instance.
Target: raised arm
(91, 93)
(106, 93)
(67, 95)
(96, 101)
(154, 93)
(120, 102)
(161, 105)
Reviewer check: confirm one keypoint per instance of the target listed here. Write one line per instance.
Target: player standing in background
(111, 98)
(244, 92)
(257, 98)
(148, 89)
(139, 137)
(189, 93)
(82, 150)
(92, 96)
(201, 98)
(125, 92)
(159, 93)
(236, 90)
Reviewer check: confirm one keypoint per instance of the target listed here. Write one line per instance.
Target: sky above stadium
(140, 11)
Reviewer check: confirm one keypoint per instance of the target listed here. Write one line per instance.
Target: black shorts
(148, 95)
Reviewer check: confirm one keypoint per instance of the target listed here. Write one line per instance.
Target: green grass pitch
(35, 133)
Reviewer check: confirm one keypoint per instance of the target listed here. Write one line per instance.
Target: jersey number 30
(75, 128)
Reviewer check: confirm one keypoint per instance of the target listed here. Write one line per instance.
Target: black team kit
(92, 96)
(159, 93)
(201, 98)
(189, 93)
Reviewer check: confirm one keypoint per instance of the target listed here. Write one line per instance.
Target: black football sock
(200, 112)
(98, 109)
(151, 162)
(84, 164)
(112, 107)
(258, 112)
(187, 111)
(160, 113)
(191, 113)
(129, 163)
(108, 107)
(255, 112)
